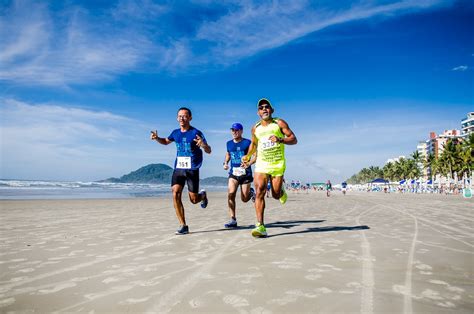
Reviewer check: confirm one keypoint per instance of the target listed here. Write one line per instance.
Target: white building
(467, 124)
(436, 142)
(423, 150)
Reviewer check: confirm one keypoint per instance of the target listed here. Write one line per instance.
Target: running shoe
(231, 224)
(204, 199)
(284, 197)
(182, 230)
(259, 231)
(252, 193)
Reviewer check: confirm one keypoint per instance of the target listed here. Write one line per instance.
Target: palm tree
(418, 161)
(449, 157)
(389, 171)
(428, 163)
(466, 156)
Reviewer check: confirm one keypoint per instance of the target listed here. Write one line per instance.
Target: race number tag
(183, 163)
(238, 171)
(267, 144)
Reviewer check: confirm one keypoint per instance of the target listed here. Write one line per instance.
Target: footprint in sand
(260, 310)
(57, 288)
(134, 301)
(248, 292)
(235, 300)
(289, 263)
(196, 303)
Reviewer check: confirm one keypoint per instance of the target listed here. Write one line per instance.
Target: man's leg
(277, 183)
(233, 185)
(260, 181)
(178, 204)
(278, 191)
(193, 188)
(245, 194)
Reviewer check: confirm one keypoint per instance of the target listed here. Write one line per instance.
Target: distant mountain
(153, 173)
(214, 181)
(159, 174)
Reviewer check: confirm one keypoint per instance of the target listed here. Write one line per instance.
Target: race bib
(183, 163)
(238, 171)
(267, 144)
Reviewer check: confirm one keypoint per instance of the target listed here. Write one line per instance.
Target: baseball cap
(264, 101)
(237, 126)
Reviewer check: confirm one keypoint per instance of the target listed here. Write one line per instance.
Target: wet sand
(359, 253)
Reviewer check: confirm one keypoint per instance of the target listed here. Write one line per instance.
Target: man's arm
(226, 161)
(201, 143)
(161, 140)
(290, 137)
(252, 147)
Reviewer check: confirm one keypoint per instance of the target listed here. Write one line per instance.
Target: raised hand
(154, 135)
(199, 141)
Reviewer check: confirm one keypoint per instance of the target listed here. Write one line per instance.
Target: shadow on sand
(290, 224)
(279, 224)
(322, 229)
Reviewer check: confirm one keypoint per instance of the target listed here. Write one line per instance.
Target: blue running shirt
(236, 151)
(188, 154)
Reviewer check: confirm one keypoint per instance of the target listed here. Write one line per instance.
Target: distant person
(240, 173)
(189, 145)
(328, 188)
(344, 187)
(269, 137)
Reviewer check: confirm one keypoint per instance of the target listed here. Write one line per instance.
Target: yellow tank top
(270, 156)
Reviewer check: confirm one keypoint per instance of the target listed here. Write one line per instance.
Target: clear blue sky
(82, 83)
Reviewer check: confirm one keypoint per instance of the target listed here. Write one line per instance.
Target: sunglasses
(264, 107)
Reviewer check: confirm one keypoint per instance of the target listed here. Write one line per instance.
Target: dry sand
(359, 253)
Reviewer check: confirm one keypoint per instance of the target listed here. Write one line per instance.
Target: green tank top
(270, 156)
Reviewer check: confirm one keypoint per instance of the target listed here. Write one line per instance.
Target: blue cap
(236, 126)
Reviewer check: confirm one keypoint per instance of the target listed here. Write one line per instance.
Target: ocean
(31, 189)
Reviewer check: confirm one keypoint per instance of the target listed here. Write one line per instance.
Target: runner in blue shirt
(189, 142)
(344, 187)
(239, 173)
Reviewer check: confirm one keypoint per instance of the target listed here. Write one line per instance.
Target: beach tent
(375, 185)
(403, 181)
(429, 182)
(379, 180)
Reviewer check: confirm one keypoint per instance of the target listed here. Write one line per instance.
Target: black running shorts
(242, 179)
(191, 177)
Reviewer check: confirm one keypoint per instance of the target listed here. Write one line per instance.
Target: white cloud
(461, 68)
(257, 27)
(46, 141)
(44, 45)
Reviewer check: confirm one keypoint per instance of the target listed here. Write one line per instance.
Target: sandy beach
(359, 253)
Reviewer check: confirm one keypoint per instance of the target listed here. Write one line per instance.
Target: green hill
(214, 181)
(153, 173)
(159, 174)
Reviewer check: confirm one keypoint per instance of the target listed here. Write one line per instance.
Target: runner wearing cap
(269, 137)
(190, 142)
(240, 174)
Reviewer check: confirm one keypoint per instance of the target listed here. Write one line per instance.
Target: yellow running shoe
(284, 197)
(259, 231)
